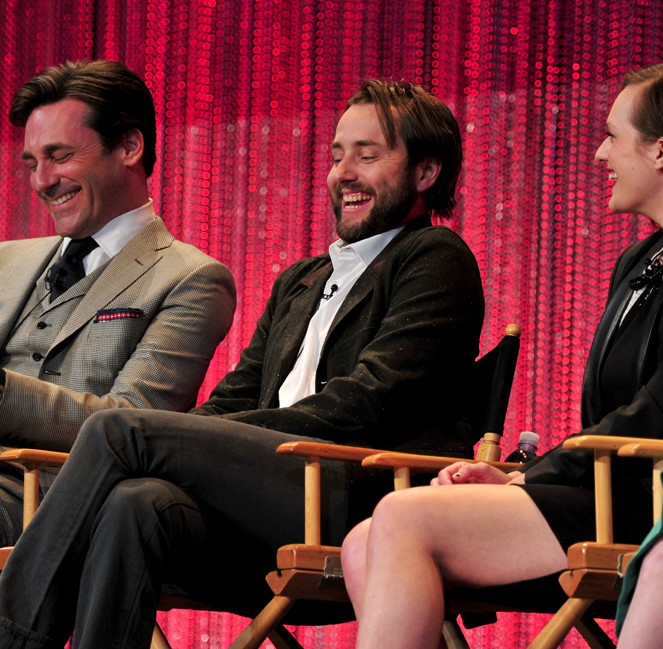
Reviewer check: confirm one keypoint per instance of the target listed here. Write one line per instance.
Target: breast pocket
(111, 343)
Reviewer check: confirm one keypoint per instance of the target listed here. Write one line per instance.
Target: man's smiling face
(81, 184)
(372, 186)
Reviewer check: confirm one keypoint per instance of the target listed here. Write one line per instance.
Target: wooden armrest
(426, 462)
(402, 463)
(651, 448)
(599, 442)
(328, 451)
(313, 452)
(603, 446)
(28, 455)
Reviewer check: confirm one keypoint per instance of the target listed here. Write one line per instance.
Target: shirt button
(37, 356)
(41, 325)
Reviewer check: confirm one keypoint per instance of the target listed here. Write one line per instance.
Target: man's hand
(479, 473)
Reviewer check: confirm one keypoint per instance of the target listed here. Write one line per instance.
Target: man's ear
(132, 145)
(426, 173)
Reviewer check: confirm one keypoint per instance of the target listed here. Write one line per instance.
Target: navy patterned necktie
(62, 275)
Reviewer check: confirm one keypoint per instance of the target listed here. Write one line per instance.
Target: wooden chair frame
(308, 570)
(302, 569)
(308, 555)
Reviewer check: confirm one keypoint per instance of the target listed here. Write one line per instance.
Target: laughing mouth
(355, 200)
(612, 176)
(60, 200)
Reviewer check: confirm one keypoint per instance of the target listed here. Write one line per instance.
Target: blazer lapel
(16, 291)
(610, 323)
(612, 315)
(610, 320)
(134, 260)
(304, 306)
(295, 326)
(366, 283)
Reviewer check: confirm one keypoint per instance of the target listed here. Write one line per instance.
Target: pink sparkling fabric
(247, 96)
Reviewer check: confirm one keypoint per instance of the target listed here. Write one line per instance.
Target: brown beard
(390, 208)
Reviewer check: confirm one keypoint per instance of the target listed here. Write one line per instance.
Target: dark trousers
(148, 496)
(11, 507)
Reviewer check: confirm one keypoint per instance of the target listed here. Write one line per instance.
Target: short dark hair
(647, 114)
(428, 130)
(118, 98)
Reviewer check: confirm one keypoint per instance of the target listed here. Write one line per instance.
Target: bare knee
(413, 520)
(394, 513)
(388, 514)
(354, 544)
(652, 564)
(353, 559)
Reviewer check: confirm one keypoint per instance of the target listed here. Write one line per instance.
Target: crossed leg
(423, 541)
(143, 494)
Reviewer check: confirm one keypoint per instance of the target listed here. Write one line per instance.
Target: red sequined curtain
(247, 95)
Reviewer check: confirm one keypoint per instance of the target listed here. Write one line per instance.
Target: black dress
(622, 395)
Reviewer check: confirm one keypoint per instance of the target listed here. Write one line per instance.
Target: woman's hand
(474, 473)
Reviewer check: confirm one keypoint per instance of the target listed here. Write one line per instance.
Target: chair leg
(594, 635)
(159, 640)
(557, 629)
(281, 638)
(254, 634)
(453, 636)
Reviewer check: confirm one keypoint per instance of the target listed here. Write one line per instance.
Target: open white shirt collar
(115, 235)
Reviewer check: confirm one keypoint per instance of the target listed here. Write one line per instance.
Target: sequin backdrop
(247, 94)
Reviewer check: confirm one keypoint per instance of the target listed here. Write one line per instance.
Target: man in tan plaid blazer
(139, 329)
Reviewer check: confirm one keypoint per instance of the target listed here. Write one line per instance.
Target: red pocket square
(106, 315)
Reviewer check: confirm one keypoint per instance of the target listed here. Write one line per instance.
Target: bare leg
(353, 558)
(642, 626)
(424, 540)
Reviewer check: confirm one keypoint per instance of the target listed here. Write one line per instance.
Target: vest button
(37, 356)
(41, 325)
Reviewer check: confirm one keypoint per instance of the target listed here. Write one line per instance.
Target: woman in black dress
(483, 531)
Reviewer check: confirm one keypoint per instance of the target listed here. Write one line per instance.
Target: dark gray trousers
(11, 507)
(148, 496)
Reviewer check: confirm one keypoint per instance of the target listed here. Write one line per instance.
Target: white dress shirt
(115, 235)
(349, 262)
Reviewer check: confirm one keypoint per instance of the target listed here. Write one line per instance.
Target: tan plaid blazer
(142, 335)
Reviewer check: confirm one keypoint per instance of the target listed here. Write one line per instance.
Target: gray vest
(39, 325)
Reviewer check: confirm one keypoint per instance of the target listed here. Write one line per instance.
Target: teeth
(64, 198)
(355, 198)
(612, 176)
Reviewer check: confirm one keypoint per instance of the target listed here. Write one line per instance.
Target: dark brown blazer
(392, 372)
